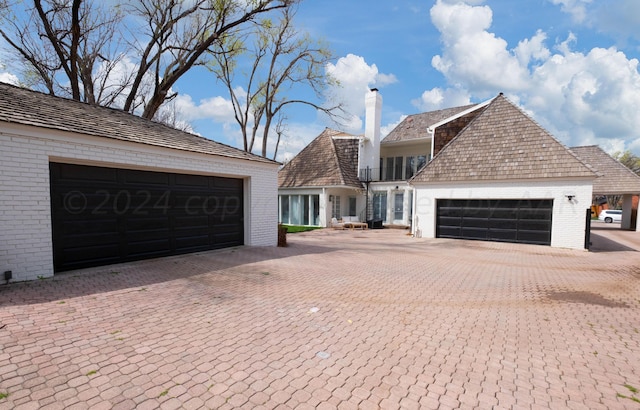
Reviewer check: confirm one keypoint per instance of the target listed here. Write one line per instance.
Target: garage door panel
(134, 177)
(532, 225)
(500, 223)
(69, 173)
(508, 220)
(473, 222)
(187, 181)
(105, 253)
(474, 233)
(108, 215)
(449, 231)
(503, 235)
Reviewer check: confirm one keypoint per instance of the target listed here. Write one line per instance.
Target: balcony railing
(384, 174)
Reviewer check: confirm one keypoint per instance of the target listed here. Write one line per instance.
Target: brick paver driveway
(339, 319)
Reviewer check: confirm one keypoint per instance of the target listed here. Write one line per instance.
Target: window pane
(422, 159)
(352, 206)
(295, 210)
(398, 207)
(316, 209)
(284, 209)
(380, 206)
(398, 168)
(409, 168)
(335, 208)
(305, 211)
(388, 174)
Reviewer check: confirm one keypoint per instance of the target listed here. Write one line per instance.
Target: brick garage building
(504, 178)
(85, 186)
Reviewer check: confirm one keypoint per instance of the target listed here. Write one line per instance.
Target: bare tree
(281, 57)
(61, 44)
(62, 41)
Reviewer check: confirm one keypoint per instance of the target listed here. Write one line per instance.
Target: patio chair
(335, 224)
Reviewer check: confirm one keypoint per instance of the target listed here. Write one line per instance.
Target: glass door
(398, 208)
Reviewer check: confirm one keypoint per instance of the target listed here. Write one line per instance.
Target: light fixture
(570, 197)
(330, 198)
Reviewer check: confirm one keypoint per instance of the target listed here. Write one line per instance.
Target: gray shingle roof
(326, 161)
(503, 143)
(22, 106)
(615, 178)
(415, 126)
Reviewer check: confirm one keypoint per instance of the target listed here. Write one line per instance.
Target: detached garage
(88, 186)
(506, 179)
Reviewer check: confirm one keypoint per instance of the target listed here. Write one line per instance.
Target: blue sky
(571, 64)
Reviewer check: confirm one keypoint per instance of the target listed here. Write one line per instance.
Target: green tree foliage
(631, 161)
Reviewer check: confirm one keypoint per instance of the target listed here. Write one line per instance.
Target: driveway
(339, 319)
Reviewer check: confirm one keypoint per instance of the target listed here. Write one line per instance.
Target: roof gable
(331, 159)
(27, 107)
(614, 178)
(415, 126)
(503, 143)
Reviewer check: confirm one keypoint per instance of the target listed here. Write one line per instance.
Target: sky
(572, 65)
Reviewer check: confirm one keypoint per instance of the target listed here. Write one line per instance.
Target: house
(614, 179)
(505, 178)
(86, 186)
(333, 176)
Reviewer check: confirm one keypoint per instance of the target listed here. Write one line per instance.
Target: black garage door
(107, 215)
(503, 220)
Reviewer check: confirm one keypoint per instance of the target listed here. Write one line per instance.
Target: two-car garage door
(108, 215)
(501, 220)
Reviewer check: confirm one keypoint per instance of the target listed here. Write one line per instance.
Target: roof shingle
(615, 178)
(415, 126)
(331, 159)
(27, 107)
(503, 143)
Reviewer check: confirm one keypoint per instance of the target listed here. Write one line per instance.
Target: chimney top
(374, 89)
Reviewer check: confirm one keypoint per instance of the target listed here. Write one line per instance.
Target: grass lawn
(298, 228)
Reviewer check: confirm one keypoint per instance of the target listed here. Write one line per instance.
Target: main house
(483, 171)
(333, 176)
(85, 186)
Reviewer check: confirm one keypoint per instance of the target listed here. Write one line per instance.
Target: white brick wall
(25, 214)
(568, 220)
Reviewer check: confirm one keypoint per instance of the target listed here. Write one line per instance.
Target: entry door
(398, 207)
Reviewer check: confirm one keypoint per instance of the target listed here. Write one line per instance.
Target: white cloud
(9, 78)
(218, 109)
(532, 49)
(437, 98)
(621, 18)
(354, 77)
(581, 98)
(472, 55)
(6, 76)
(297, 136)
(576, 8)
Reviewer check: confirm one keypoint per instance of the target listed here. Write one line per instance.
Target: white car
(610, 215)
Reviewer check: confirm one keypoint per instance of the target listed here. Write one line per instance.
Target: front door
(398, 208)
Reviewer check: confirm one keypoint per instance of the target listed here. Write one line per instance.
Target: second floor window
(401, 168)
